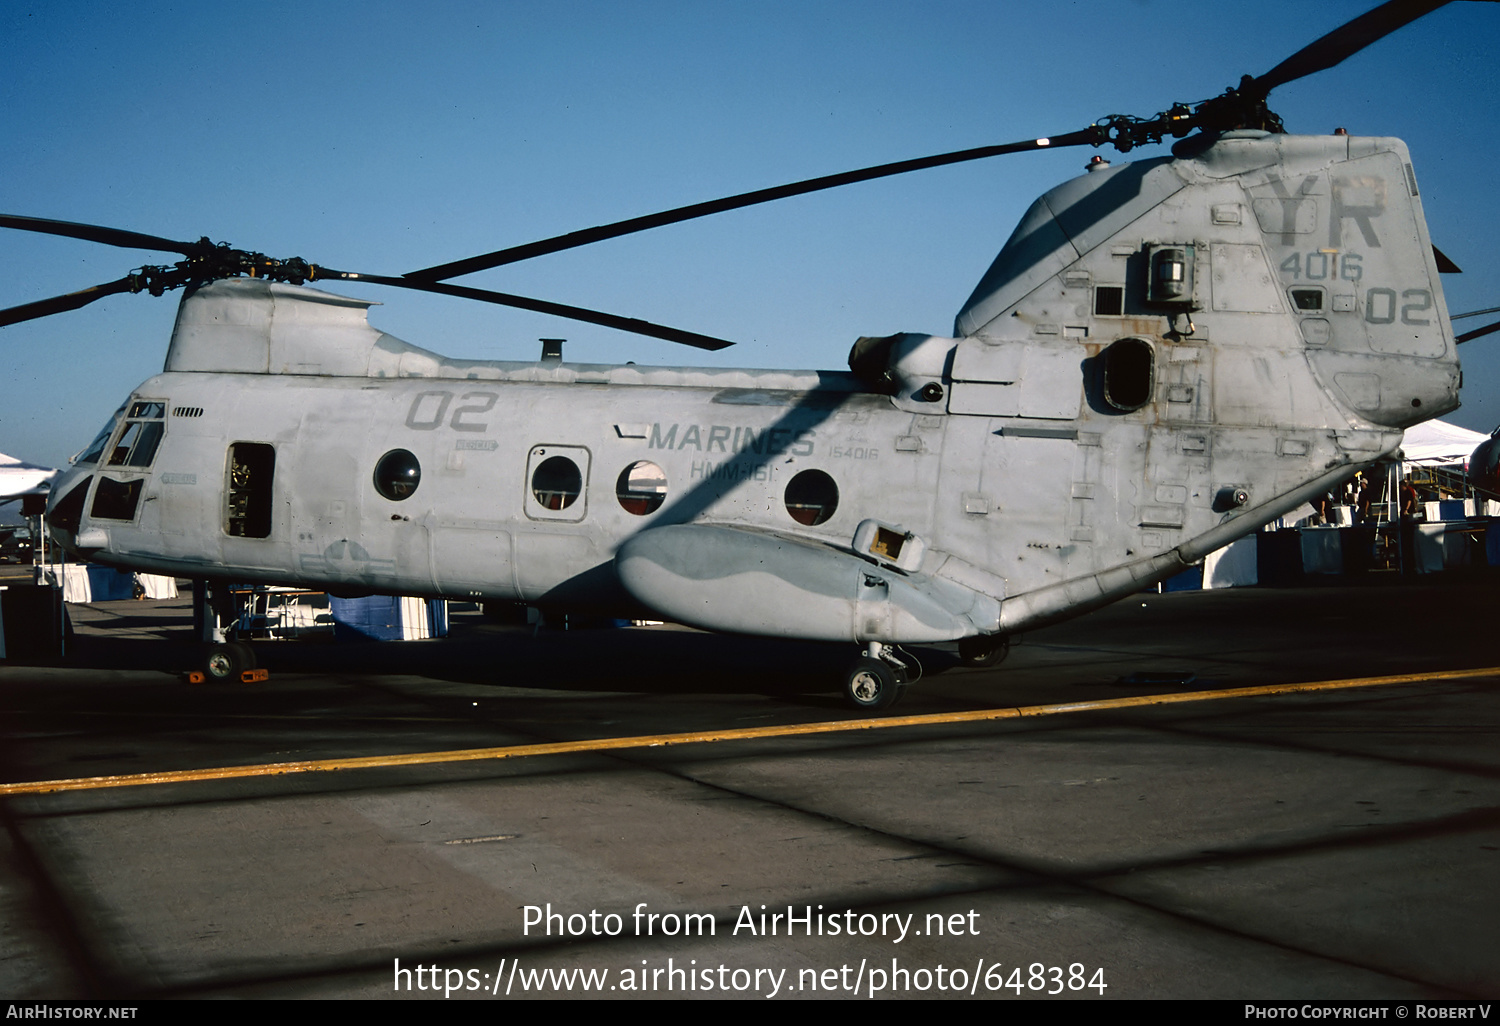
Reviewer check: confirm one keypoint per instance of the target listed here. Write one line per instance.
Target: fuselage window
(641, 488)
(811, 498)
(252, 467)
(1129, 374)
(142, 434)
(1307, 300)
(556, 482)
(397, 475)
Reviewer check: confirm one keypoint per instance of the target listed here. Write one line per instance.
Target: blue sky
(385, 137)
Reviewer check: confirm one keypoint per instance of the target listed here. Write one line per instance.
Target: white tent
(1433, 443)
(1429, 445)
(1436, 442)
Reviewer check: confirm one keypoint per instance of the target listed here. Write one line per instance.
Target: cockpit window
(95, 451)
(142, 434)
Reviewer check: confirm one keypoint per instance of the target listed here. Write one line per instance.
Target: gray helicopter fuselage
(1165, 356)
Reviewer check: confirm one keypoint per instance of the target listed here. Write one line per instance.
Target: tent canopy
(1437, 442)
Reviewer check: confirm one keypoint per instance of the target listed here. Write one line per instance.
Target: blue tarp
(387, 618)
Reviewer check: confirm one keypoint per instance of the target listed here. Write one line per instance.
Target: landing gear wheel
(224, 663)
(248, 652)
(871, 684)
(984, 649)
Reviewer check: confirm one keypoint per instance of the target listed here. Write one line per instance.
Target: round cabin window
(397, 475)
(641, 488)
(811, 498)
(556, 482)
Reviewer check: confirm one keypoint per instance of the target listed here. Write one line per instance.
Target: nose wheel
(879, 677)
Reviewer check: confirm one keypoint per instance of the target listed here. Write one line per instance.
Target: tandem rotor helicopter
(1165, 356)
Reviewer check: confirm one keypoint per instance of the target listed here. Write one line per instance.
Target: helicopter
(1165, 356)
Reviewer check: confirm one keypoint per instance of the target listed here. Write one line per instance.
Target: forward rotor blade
(1345, 41)
(72, 301)
(639, 224)
(98, 233)
(575, 313)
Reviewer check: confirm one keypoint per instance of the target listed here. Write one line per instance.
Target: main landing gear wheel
(878, 679)
(225, 662)
(872, 684)
(984, 649)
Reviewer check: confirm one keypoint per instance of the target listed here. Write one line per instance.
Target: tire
(247, 653)
(984, 649)
(223, 664)
(871, 685)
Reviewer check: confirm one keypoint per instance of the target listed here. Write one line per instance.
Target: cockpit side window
(142, 433)
(95, 452)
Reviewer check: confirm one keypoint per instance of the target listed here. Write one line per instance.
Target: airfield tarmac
(1331, 844)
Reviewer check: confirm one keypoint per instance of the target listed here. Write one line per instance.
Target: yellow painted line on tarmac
(740, 734)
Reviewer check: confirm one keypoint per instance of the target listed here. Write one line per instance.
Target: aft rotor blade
(1469, 336)
(98, 233)
(1345, 41)
(72, 301)
(588, 236)
(575, 313)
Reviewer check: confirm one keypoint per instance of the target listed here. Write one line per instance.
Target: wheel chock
(246, 676)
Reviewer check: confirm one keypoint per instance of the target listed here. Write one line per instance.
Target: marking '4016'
(1324, 265)
(429, 409)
